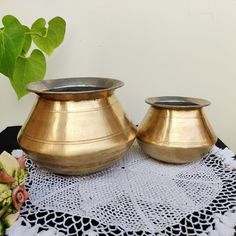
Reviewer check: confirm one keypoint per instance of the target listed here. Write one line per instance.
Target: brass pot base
(175, 155)
(79, 165)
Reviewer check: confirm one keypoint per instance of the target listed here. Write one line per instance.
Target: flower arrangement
(12, 190)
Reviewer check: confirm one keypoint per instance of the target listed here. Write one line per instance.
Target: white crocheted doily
(136, 193)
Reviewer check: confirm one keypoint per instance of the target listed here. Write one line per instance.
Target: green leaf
(2, 229)
(10, 219)
(11, 43)
(47, 39)
(3, 211)
(27, 42)
(28, 70)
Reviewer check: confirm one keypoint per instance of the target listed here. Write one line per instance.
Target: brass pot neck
(76, 96)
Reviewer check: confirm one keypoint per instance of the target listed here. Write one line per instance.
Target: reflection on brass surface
(77, 125)
(176, 130)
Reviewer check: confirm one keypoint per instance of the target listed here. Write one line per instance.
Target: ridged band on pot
(176, 130)
(77, 125)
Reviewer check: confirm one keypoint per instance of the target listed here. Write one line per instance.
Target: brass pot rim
(177, 102)
(63, 85)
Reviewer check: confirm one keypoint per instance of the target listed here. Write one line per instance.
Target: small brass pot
(77, 125)
(176, 130)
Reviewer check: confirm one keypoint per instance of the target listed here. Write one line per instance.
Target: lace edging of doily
(223, 224)
(18, 229)
(227, 156)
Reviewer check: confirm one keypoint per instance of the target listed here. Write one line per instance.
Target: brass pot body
(176, 130)
(76, 132)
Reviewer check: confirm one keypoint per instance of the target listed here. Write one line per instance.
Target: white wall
(157, 47)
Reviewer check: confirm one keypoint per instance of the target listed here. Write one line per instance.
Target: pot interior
(75, 89)
(185, 104)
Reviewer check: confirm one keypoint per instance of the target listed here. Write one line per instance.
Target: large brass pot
(77, 125)
(176, 130)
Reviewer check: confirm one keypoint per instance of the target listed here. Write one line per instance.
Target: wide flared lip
(177, 102)
(44, 86)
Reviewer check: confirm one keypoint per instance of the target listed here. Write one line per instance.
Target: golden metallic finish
(77, 126)
(176, 130)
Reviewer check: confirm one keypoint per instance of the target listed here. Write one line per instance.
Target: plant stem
(35, 33)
